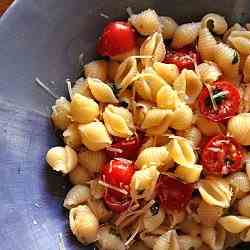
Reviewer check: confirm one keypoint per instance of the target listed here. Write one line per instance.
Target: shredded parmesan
(116, 150)
(222, 93)
(134, 234)
(211, 96)
(215, 149)
(123, 191)
(129, 11)
(69, 85)
(61, 242)
(47, 89)
(104, 16)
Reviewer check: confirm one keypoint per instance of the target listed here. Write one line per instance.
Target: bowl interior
(44, 39)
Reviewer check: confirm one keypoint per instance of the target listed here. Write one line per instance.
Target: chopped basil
(155, 208)
(235, 58)
(218, 99)
(124, 104)
(210, 25)
(114, 88)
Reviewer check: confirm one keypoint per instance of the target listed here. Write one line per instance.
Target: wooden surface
(4, 4)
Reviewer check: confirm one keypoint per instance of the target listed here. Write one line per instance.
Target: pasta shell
(96, 190)
(206, 44)
(213, 237)
(239, 128)
(157, 156)
(190, 173)
(209, 72)
(94, 136)
(244, 206)
(81, 87)
(228, 60)
(241, 44)
(190, 227)
(235, 27)
(168, 26)
(76, 196)
(239, 181)
(143, 90)
(96, 69)
(83, 109)
(193, 135)
(207, 127)
(182, 117)
(188, 86)
(62, 159)
(154, 47)
(141, 109)
(144, 181)
(102, 92)
(153, 221)
(208, 214)
(125, 73)
(79, 175)
(99, 209)
(154, 117)
(61, 113)
(215, 23)
(83, 224)
(245, 235)
(146, 22)
(122, 57)
(109, 241)
(231, 240)
(246, 70)
(118, 121)
(169, 72)
(247, 162)
(187, 242)
(72, 136)
(181, 151)
(167, 241)
(167, 98)
(93, 161)
(215, 191)
(185, 34)
(234, 224)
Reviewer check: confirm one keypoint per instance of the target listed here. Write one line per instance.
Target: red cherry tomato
(117, 38)
(222, 155)
(173, 193)
(183, 58)
(125, 148)
(226, 97)
(118, 173)
(117, 205)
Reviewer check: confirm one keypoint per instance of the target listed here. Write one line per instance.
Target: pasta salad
(156, 136)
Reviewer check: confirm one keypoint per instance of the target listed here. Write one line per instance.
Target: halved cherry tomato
(117, 38)
(183, 58)
(222, 155)
(173, 193)
(226, 97)
(117, 205)
(118, 173)
(125, 148)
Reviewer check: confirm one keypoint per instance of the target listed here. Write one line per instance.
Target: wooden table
(4, 4)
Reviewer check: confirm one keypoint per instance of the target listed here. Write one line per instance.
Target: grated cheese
(47, 89)
(104, 15)
(134, 234)
(211, 97)
(123, 191)
(69, 85)
(129, 11)
(116, 150)
(222, 93)
(215, 149)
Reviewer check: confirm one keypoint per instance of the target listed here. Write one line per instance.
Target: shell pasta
(156, 136)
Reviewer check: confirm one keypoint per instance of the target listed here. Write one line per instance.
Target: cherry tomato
(183, 58)
(125, 148)
(117, 38)
(117, 205)
(118, 173)
(226, 97)
(222, 155)
(173, 193)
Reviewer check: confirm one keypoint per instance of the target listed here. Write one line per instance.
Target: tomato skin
(117, 38)
(124, 148)
(227, 108)
(118, 173)
(183, 58)
(228, 158)
(117, 205)
(173, 193)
